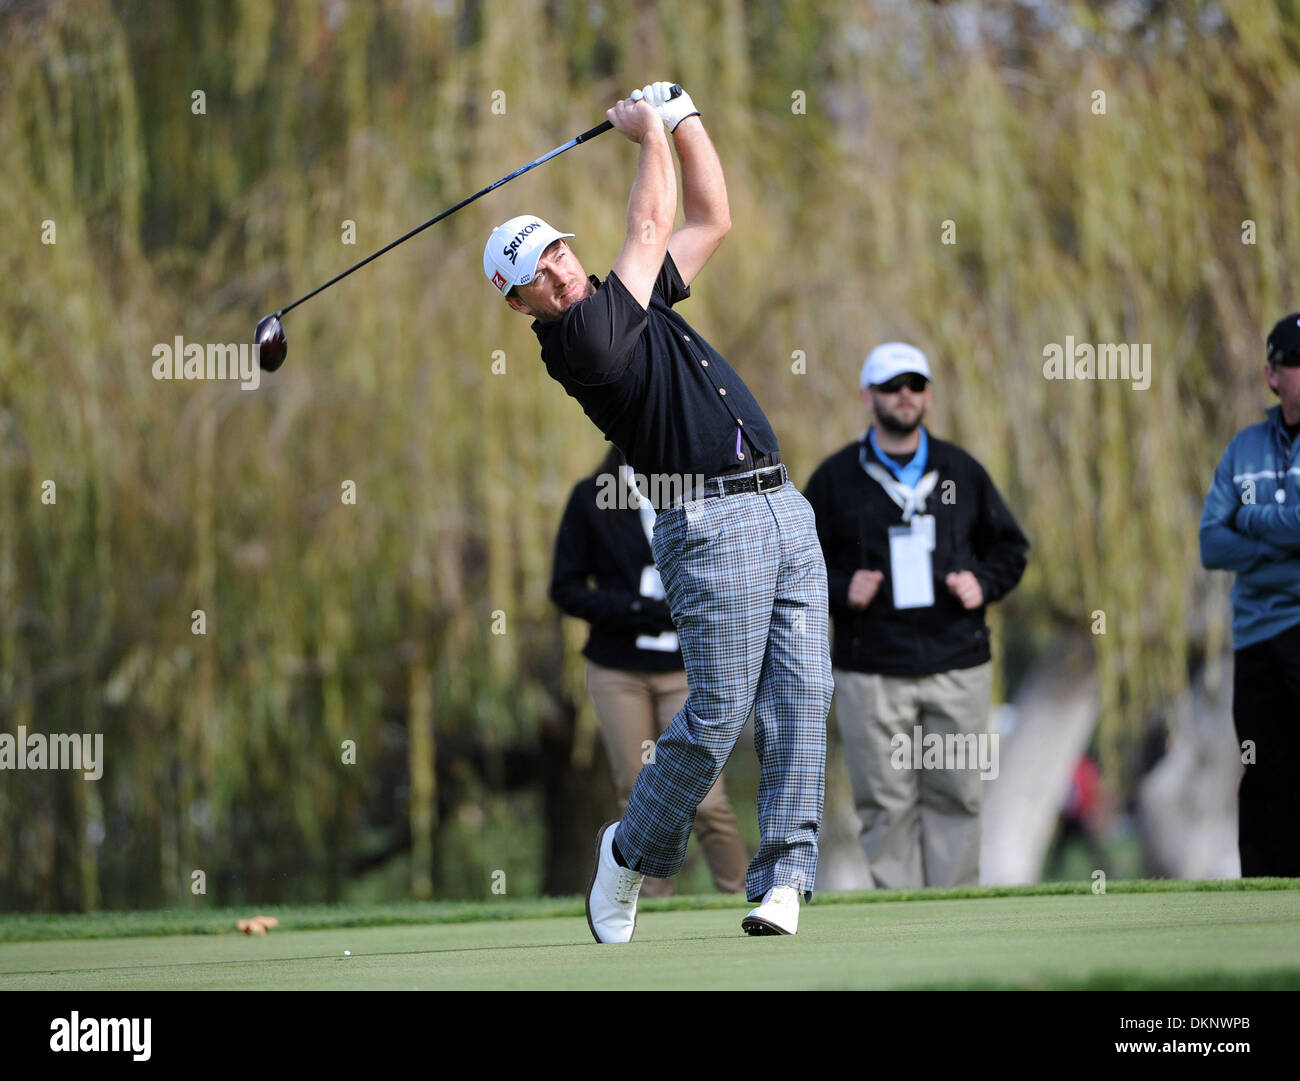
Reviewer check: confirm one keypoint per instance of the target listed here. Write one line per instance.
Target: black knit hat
(1284, 342)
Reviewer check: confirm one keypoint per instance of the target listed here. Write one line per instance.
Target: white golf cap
(891, 359)
(510, 257)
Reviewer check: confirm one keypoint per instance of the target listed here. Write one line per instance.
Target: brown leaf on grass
(258, 925)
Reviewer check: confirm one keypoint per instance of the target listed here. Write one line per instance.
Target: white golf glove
(672, 111)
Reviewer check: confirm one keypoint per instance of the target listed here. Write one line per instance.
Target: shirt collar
(922, 458)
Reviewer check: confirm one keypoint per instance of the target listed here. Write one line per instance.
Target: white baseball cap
(891, 359)
(511, 254)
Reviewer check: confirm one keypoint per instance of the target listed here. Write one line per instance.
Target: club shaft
(590, 133)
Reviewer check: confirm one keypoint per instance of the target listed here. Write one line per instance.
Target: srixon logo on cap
(512, 249)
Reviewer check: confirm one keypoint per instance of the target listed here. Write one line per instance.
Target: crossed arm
(1244, 547)
(1276, 525)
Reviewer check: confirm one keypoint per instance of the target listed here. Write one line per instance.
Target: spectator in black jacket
(917, 542)
(635, 671)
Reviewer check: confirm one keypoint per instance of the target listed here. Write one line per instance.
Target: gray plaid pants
(746, 583)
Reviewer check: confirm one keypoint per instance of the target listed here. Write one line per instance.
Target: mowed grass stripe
(24, 927)
(1140, 939)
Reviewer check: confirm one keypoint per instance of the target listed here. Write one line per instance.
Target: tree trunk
(1188, 803)
(1056, 713)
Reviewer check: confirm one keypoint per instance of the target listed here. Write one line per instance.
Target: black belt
(762, 479)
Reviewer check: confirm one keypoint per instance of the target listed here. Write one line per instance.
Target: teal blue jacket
(1246, 528)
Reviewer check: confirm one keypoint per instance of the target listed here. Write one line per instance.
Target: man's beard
(895, 427)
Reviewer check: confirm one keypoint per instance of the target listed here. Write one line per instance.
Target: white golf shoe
(777, 915)
(611, 896)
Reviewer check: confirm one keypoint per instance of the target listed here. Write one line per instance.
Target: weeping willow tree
(894, 170)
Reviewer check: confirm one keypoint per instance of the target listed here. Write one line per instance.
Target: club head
(269, 336)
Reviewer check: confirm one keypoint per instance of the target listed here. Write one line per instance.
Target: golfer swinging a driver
(737, 547)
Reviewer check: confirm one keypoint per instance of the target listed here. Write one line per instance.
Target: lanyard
(910, 500)
(644, 507)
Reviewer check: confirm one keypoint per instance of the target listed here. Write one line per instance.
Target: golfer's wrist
(688, 124)
(654, 133)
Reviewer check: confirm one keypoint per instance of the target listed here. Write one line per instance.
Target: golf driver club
(269, 336)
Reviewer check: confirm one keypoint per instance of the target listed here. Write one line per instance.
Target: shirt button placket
(722, 392)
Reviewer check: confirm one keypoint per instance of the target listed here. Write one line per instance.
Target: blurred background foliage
(850, 133)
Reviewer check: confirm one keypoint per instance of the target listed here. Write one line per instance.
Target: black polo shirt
(656, 389)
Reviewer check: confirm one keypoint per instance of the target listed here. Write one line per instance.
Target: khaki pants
(920, 827)
(635, 708)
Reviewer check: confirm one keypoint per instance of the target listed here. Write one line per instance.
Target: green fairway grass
(1212, 937)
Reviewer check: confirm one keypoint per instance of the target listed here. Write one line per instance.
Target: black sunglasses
(913, 381)
(1280, 359)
